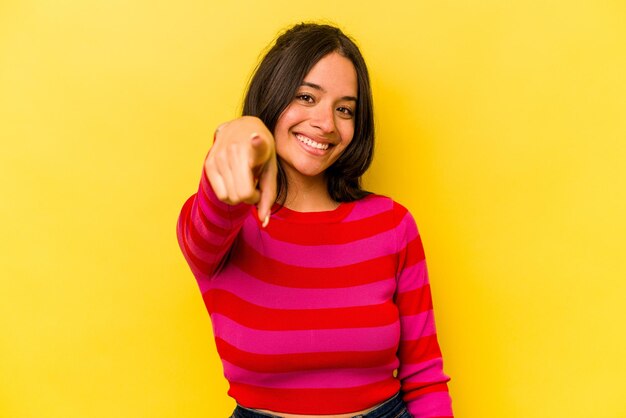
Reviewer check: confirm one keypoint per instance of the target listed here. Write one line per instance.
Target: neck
(308, 194)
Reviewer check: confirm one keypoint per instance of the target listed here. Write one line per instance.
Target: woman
(317, 290)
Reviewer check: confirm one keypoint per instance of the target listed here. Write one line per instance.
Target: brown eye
(305, 98)
(346, 111)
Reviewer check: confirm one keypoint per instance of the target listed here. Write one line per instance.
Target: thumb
(267, 186)
(260, 153)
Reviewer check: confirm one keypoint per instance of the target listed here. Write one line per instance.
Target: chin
(308, 170)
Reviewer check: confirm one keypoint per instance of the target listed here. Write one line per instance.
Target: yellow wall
(501, 125)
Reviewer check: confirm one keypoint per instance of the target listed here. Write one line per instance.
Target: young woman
(317, 290)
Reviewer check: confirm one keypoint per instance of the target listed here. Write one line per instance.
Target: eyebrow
(320, 88)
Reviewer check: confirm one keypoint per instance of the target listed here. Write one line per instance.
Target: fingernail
(266, 221)
(254, 136)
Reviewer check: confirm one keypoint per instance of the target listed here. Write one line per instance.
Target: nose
(323, 118)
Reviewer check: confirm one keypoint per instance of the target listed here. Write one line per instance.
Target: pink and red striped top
(319, 313)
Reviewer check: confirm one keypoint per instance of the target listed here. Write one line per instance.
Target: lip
(311, 149)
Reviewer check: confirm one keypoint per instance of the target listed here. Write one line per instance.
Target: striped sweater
(320, 312)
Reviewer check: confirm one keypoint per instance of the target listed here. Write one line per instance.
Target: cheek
(286, 120)
(281, 134)
(347, 133)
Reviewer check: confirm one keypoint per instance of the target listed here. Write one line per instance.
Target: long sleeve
(207, 228)
(424, 384)
(305, 311)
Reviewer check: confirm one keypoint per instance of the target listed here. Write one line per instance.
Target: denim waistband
(391, 408)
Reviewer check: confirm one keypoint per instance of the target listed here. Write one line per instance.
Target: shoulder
(377, 203)
(385, 210)
(391, 216)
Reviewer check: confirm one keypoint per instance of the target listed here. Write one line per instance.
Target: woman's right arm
(239, 171)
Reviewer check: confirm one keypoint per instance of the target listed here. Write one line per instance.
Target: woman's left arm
(424, 384)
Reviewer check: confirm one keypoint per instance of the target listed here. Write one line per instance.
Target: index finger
(267, 185)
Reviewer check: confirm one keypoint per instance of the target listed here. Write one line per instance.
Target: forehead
(335, 74)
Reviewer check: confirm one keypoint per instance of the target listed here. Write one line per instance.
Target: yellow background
(501, 125)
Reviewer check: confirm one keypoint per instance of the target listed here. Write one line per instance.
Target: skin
(242, 164)
(322, 111)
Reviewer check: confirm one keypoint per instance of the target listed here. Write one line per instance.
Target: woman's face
(318, 124)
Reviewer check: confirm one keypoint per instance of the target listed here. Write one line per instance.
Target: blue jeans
(392, 408)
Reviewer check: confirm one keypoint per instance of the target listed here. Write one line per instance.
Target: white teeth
(311, 143)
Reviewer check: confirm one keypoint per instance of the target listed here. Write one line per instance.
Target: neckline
(327, 216)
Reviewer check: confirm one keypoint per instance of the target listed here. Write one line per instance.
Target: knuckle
(209, 165)
(221, 195)
(232, 150)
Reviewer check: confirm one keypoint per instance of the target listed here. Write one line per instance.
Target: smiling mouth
(311, 143)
